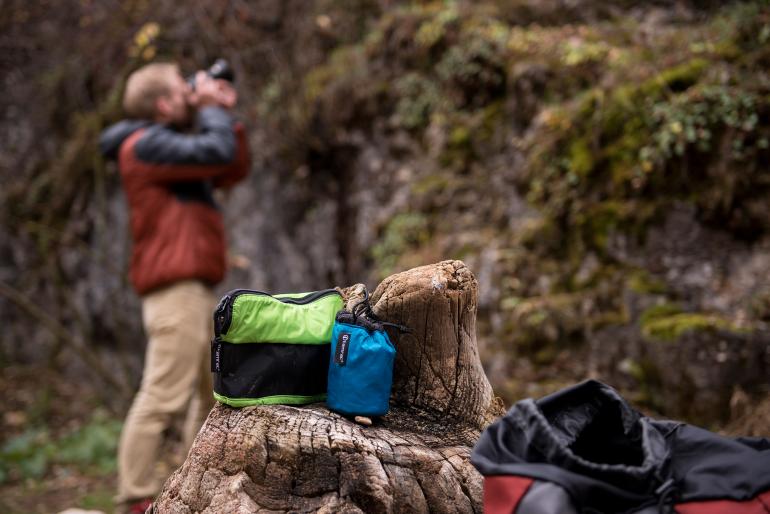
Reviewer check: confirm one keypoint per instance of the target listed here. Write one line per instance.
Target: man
(178, 254)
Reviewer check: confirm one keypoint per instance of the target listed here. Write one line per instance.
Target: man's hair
(145, 86)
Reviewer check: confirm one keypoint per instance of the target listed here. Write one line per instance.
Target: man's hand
(227, 94)
(209, 91)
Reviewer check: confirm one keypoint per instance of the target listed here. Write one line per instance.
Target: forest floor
(58, 444)
(57, 494)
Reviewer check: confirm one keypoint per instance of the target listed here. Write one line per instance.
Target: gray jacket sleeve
(214, 143)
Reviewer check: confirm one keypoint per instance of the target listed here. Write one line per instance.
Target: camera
(219, 70)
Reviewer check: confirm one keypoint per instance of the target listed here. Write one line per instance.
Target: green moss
(578, 51)
(647, 377)
(597, 222)
(492, 116)
(403, 232)
(344, 63)
(642, 282)
(621, 106)
(459, 148)
(621, 116)
(459, 137)
(671, 328)
(727, 49)
(677, 78)
(435, 183)
(594, 175)
(434, 29)
(417, 98)
(608, 319)
(546, 355)
(543, 326)
(659, 311)
(469, 133)
(581, 159)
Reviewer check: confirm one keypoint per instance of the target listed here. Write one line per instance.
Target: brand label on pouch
(341, 353)
(216, 356)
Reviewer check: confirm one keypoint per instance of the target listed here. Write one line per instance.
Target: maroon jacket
(169, 177)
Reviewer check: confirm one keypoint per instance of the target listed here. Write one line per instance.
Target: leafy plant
(90, 448)
(418, 98)
(690, 120)
(475, 66)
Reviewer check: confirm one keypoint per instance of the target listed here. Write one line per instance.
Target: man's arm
(214, 144)
(240, 166)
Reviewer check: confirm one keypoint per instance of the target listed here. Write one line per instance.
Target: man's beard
(186, 122)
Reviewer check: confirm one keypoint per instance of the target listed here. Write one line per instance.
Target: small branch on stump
(414, 459)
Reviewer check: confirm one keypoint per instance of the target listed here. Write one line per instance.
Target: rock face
(414, 459)
(700, 372)
(697, 337)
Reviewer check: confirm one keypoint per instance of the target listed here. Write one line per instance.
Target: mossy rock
(671, 327)
(658, 311)
(698, 373)
(542, 326)
(642, 282)
(647, 379)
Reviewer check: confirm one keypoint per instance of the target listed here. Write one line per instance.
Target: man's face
(173, 108)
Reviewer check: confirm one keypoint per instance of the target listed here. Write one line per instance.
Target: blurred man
(178, 146)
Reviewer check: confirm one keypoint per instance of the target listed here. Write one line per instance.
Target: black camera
(219, 70)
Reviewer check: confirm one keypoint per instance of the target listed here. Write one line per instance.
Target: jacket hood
(610, 458)
(113, 136)
(586, 438)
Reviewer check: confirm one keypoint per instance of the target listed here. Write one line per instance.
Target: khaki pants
(178, 323)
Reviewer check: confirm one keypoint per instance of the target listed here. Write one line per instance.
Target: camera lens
(219, 70)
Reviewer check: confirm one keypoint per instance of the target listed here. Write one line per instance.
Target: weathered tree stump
(414, 459)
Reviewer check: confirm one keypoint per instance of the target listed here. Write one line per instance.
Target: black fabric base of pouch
(259, 370)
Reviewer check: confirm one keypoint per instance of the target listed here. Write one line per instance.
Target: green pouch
(272, 349)
(247, 316)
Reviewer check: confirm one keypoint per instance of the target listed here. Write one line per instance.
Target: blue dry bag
(361, 363)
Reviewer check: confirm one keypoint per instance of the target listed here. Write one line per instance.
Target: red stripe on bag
(502, 494)
(758, 505)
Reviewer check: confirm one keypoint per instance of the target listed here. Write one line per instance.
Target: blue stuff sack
(360, 364)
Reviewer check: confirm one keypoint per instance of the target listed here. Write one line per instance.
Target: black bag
(586, 450)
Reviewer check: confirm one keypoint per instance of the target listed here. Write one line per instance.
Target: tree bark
(414, 459)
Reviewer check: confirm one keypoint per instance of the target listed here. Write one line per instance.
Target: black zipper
(223, 315)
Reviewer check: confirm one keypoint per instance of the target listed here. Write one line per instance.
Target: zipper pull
(220, 312)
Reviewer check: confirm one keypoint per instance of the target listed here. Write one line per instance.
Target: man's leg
(202, 401)
(177, 320)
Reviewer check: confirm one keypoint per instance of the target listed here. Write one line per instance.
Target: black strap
(667, 494)
(363, 310)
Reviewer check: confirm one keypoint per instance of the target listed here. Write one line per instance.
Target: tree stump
(414, 459)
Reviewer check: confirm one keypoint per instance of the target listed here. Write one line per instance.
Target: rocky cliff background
(602, 168)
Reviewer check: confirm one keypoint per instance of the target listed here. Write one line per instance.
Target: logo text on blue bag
(341, 355)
